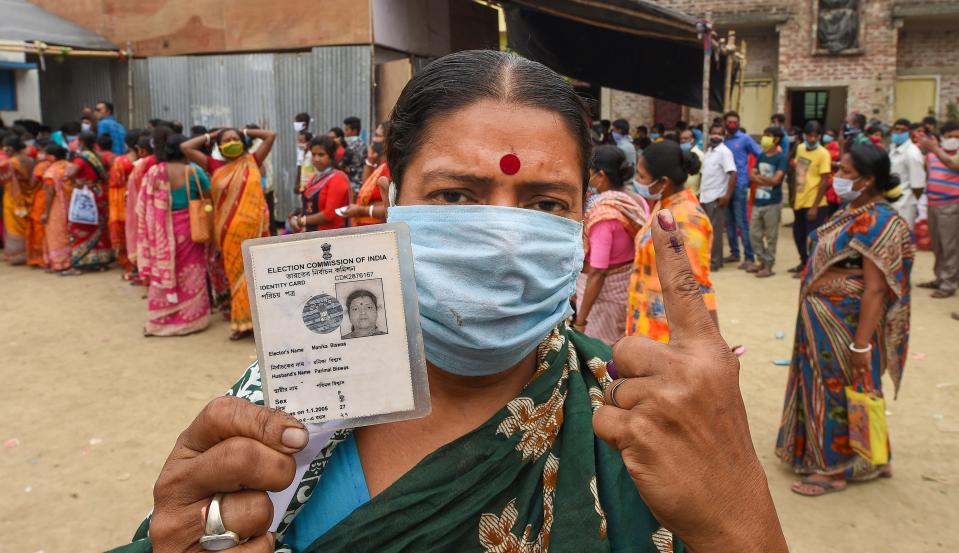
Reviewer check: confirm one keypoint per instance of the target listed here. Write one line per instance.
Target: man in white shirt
(716, 188)
(907, 162)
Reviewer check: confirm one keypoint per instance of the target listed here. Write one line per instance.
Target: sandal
(240, 334)
(931, 285)
(823, 486)
(882, 472)
(70, 272)
(940, 294)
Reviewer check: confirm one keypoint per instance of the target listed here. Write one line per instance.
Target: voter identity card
(336, 321)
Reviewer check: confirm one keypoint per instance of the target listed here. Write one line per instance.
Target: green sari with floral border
(531, 479)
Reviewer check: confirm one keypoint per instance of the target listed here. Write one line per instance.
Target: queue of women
(143, 219)
(540, 436)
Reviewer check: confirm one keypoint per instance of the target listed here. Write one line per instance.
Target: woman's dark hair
(88, 140)
(145, 142)
(56, 150)
(324, 141)
(872, 161)
(612, 162)
(338, 133)
(225, 130)
(458, 80)
(133, 135)
(667, 159)
(166, 144)
(13, 141)
(105, 142)
(307, 135)
(360, 293)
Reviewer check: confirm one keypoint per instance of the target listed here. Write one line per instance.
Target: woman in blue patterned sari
(853, 324)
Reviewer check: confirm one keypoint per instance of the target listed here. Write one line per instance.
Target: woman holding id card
(536, 440)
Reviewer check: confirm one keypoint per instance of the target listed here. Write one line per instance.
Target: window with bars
(815, 103)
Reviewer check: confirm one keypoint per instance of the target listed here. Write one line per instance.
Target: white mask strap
(392, 194)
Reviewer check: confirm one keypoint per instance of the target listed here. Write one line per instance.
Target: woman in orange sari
(661, 174)
(120, 171)
(35, 238)
(239, 207)
(370, 209)
(17, 199)
(57, 188)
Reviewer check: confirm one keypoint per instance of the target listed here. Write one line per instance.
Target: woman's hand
(861, 364)
(294, 222)
(232, 447)
(812, 213)
(679, 420)
(372, 155)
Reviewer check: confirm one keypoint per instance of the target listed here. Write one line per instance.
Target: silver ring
(612, 392)
(215, 536)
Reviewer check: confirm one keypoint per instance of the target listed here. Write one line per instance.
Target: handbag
(83, 207)
(201, 210)
(868, 435)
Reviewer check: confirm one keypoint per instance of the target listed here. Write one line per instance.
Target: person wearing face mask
(716, 189)
(146, 159)
(658, 133)
(662, 171)
(942, 167)
(767, 176)
(90, 243)
(529, 441)
(369, 208)
(613, 217)
(57, 190)
(240, 209)
(813, 169)
(687, 141)
(909, 165)
(852, 327)
(832, 146)
(120, 171)
(737, 212)
(327, 191)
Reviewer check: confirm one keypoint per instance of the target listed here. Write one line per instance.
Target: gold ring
(612, 392)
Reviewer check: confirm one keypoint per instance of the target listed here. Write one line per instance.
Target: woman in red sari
(239, 207)
(328, 191)
(35, 237)
(120, 171)
(90, 243)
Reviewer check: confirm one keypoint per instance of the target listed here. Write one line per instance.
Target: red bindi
(509, 164)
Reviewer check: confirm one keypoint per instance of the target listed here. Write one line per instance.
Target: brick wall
(931, 50)
(635, 108)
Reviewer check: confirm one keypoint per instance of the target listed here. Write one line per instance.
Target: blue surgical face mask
(617, 136)
(899, 138)
(812, 145)
(29, 142)
(686, 146)
(645, 190)
(653, 135)
(492, 281)
(826, 138)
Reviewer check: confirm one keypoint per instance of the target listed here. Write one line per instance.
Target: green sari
(533, 478)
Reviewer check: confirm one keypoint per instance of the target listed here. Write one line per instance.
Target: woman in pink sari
(57, 187)
(145, 161)
(168, 260)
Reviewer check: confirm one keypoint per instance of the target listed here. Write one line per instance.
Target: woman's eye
(550, 206)
(453, 197)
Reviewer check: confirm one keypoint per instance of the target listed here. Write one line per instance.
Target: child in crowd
(767, 175)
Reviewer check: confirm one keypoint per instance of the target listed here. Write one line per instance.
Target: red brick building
(894, 58)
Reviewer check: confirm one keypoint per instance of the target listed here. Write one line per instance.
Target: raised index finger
(229, 417)
(685, 309)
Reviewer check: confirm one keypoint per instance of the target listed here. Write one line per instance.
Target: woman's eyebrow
(479, 180)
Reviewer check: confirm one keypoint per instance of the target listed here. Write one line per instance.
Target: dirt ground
(93, 408)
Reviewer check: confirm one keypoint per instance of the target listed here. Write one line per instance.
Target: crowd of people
(862, 200)
(170, 211)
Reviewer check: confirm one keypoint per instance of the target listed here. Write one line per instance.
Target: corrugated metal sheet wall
(330, 83)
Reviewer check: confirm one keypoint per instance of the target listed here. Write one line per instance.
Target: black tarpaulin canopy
(632, 45)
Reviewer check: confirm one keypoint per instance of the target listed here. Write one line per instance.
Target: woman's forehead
(476, 138)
